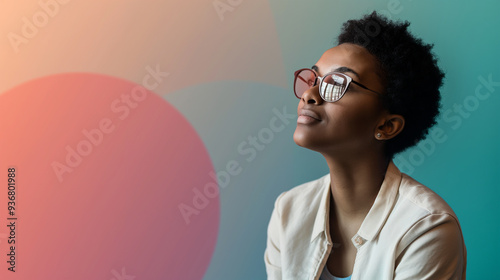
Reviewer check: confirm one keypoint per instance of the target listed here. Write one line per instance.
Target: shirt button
(358, 240)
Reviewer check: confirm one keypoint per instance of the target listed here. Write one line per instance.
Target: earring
(379, 135)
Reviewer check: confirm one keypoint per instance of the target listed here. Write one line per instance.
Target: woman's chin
(311, 141)
(301, 139)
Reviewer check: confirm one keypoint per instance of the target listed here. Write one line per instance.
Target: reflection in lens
(327, 95)
(335, 88)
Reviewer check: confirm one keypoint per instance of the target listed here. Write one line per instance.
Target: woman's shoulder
(423, 222)
(423, 197)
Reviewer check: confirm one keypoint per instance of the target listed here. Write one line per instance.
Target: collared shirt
(409, 233)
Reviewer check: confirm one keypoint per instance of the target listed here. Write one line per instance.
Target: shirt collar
(321, 222)
(376, 217)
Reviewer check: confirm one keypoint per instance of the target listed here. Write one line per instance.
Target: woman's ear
(389, 127)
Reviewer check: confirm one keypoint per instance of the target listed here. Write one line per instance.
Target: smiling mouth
(309, 116)
(307, 119)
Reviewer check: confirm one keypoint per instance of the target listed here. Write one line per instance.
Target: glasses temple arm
(365, 87)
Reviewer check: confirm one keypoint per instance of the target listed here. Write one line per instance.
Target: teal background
(462, 169)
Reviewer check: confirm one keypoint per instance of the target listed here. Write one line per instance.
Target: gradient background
(116, 214)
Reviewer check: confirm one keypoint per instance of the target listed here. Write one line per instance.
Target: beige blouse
(409, 233)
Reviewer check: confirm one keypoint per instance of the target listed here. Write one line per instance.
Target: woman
(373, 95)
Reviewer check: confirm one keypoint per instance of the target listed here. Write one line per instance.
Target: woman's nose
(311, 96)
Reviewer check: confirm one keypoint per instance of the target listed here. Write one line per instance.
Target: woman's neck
(355, 183)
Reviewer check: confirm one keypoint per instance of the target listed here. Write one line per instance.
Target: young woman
(373, 95)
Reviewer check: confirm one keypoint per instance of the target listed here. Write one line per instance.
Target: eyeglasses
(332, 86)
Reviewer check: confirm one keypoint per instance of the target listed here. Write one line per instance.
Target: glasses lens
(333, 87)
(304, 80)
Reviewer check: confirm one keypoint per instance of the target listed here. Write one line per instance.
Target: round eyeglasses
(332, 86)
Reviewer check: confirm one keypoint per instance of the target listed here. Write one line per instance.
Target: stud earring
(379, 135)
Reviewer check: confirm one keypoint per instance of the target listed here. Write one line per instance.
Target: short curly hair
(412, 76)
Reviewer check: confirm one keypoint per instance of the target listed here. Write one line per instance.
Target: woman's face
(349, 125)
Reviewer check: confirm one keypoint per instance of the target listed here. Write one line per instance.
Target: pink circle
(109, 183)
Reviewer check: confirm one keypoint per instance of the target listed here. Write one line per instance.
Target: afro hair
(412, 76)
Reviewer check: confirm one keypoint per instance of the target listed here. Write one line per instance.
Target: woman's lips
(306, 120)
(308, 117)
